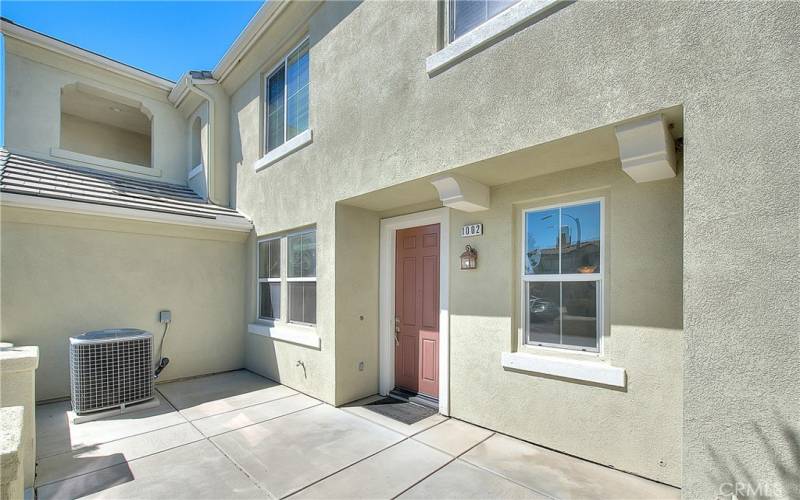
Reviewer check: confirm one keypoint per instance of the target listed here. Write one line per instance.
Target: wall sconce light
(469, 259)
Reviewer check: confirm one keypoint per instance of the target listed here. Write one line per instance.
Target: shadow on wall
(734, 480)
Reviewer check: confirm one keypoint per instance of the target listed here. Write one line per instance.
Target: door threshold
(415, 397)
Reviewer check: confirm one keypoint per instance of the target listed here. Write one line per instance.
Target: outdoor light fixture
(469, 259)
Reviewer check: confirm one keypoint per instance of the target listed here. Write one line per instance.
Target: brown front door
(416, 305)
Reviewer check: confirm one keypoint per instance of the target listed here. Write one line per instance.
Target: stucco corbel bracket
(646, 149)
(462, 193)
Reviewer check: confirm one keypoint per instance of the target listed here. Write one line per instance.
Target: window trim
(449, 20)
(265, 99)
(303, 334)
(485, 34)
(599, 278)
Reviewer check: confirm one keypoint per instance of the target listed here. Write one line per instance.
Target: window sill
(104, 162)
(195, 171)
(486, 34)
(297, 142)
(596, 372)
(287, 332)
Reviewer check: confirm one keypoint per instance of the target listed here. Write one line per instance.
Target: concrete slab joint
(646, 149)
(462, 193)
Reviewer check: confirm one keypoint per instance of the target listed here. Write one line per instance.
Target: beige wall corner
(11, 455)
(17, 382)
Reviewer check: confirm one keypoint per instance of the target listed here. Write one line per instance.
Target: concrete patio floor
(239, 435)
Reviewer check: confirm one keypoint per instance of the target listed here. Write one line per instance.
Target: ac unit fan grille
(109, 374)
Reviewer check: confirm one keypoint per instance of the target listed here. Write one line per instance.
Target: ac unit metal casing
(110, 369)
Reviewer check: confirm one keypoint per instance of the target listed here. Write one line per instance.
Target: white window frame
(265, 92)
(485, 34)
(260, 280)
(298, 333)
(449, 31)
(305, 279)
(598, 277)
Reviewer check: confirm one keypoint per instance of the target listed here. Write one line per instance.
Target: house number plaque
(471, 230)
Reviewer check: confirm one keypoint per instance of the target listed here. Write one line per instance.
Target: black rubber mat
(402, 411)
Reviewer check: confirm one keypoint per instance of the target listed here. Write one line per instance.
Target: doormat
(402, 411)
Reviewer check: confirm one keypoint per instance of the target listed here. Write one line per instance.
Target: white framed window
(562, 276)
(287, 266)
(466, 15)
(286, 98)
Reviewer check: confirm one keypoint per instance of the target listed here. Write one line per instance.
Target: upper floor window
(465, 15)
(287, 98)
(562, 276)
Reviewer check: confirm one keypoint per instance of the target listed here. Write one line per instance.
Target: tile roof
(45, 179)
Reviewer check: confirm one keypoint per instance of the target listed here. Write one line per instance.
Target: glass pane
(297, 91)
(541, 242)
(466, 15)
(297, 113)
(580, 239)
(579, 317)
(309, 255)
(495, 7)
(269, 259)
(303, 302)
(544, 305)
(275, 100)
(263, 259)
(294, 256)
(310, 302)
(274, 258)
(270, 306)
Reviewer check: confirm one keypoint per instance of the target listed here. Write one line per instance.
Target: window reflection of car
(542, 310)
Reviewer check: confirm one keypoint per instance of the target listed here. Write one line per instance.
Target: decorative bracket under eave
(462, 193)
(646, 149)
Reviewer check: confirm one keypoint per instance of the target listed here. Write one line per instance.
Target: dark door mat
(402, 411)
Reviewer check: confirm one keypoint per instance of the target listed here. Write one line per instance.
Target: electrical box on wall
(165, 316)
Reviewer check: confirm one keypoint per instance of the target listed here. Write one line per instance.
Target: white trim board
(596, 372)
(220, 222)
(104, 163)
(389, 229)
(296, 334)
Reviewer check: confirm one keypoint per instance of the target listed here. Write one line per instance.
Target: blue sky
(164, 38)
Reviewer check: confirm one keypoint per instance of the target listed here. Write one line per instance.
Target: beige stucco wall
(97, 139)
(732, 66)
(631, 429)
(62, 274)
(34, 78)
(198, 183)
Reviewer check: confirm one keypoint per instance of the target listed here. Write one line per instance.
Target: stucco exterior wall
(378, 119)
(199, 183)
(637, 429)
(97, 139)
(63, 274)
(33, 82)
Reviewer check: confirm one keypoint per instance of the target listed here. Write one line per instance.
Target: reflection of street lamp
(577, 224)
